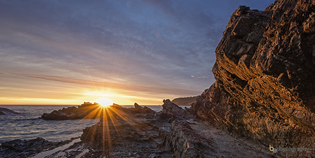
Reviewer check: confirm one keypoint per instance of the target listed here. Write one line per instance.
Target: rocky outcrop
(169, 108)
(265, 76)
(5, 111)
(145, 109)
(186, 142)
(27, 148)
(86, 110)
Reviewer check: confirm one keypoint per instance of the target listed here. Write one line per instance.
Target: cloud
(146, 89)
(158, 43)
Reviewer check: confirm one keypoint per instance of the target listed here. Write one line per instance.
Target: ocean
(29, 125)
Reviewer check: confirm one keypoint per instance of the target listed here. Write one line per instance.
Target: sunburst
(104, 102)
(111, 118)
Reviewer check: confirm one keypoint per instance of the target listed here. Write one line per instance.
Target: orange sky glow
(50, 90)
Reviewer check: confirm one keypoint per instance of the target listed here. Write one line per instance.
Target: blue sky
(56, 51)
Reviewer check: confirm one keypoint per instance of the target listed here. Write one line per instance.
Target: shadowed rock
(71, 113)
(172, 109)
(144, 109)
(27, 148)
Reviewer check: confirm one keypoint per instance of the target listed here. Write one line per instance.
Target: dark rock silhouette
(5, 111)
(137, 106)
(172, 109)
(265, 76)
(144, 109)
(27, 148)
(80, 112)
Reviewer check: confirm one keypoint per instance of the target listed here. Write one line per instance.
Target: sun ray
(113, 119)
(108, 128)
(105, 102)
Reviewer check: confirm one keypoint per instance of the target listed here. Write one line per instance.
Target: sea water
(29, 125)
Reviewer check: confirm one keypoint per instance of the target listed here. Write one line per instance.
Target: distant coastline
(184, 101)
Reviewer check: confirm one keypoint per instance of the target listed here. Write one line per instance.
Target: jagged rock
(265, 76)
(27, 148)
(185, 142)
(137, 106)
(139, 109)
(5, 111)
(70, 113)
(170, 108)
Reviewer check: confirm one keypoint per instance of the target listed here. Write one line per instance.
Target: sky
(56, 52)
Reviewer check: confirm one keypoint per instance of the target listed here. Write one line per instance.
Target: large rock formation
(265, 76)
(86, 111)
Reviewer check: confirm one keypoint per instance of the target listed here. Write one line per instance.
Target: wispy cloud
(147, 89)
(156, 44)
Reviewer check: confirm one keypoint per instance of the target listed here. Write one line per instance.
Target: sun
(105, 102)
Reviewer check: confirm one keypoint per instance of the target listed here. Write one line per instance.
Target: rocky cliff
(265, 76)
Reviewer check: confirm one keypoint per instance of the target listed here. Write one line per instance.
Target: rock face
(5, 111)
(27, 148)
(265, 76)
(70, 113)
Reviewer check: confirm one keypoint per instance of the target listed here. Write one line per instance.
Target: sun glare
(104, 102)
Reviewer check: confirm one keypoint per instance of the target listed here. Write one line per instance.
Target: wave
(29, 119)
